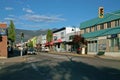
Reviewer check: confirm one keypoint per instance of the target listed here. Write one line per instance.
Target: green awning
(104, 32)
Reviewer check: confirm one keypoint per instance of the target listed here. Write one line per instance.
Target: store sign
(112, 36)
(3, 31)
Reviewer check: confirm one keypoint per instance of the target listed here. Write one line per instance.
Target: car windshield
(31, 49)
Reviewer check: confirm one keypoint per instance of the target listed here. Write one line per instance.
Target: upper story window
(55, 38)
(108, 24)
(95, 28)
(84, 30)
(62, 35)
(117, 22)
(101, 26)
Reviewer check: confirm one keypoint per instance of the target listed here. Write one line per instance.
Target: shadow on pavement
(66, 70)
(14, 53)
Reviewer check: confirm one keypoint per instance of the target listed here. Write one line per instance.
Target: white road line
(34, 67)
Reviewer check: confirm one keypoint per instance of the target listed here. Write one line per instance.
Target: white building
(60, 37)
(43, 42)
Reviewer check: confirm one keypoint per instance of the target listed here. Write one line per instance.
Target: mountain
(28, 34)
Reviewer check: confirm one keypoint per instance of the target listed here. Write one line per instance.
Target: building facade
(60, 38)
(3, 41)
(103, 34)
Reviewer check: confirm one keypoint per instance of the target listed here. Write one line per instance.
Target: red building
(3, 40)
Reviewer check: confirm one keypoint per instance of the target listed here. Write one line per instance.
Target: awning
(59, 40)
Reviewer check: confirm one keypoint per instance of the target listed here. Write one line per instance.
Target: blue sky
(48, 14)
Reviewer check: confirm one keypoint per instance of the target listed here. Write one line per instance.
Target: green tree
(11, 32)
(30, 44)
(49, 36)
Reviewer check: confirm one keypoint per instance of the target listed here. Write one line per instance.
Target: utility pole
(22, 36)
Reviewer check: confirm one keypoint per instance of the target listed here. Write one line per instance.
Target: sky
(48, 14)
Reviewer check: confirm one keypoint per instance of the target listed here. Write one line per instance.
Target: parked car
(31, 51)
(45, 49)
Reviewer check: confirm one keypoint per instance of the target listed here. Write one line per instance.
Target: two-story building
(103, 34)
(60, 37)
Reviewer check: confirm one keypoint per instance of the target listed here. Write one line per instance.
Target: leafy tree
(49, 35)
(30, 44)
(78, 41)
(11, 32)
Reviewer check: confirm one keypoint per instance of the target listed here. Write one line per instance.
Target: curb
(86, 55)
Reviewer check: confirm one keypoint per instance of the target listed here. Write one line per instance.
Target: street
(45, 66)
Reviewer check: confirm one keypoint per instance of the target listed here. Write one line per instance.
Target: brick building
(3, 40)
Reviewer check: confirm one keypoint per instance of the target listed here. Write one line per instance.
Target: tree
(78, 41)
(49, 35)
(11, 32)
(30, 44)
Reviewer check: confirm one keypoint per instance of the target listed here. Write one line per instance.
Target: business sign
(3, 31)
(112, 36)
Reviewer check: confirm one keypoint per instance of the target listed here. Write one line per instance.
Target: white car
(45, 49)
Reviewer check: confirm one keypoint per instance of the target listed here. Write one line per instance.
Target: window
(84, 30)
(55, 38)
(101, 26)
(117, 23)
(108, 24)
(62, 35)
(71, 37)
(95, 28)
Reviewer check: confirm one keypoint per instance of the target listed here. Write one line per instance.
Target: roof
(104, 32)
(59, 30)
(107, 17)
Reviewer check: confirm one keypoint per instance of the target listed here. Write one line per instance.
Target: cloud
(8, 19)
(8, 8)
(28, 10)
(42, 18)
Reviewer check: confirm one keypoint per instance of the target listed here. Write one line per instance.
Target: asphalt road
(60, 67)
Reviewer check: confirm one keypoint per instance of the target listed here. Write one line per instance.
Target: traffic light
(101, 12)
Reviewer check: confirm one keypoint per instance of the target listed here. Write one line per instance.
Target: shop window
(119, 44)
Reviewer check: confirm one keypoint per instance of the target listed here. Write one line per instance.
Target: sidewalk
(13, 59)
(86, 55)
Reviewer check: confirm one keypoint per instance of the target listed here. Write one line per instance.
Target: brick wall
(3, 43)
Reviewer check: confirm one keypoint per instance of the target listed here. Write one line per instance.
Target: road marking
(34, 67)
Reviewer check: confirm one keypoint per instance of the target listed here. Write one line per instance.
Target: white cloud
(8, 8)
(8, 18)
(28, 10)
(42, 18)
